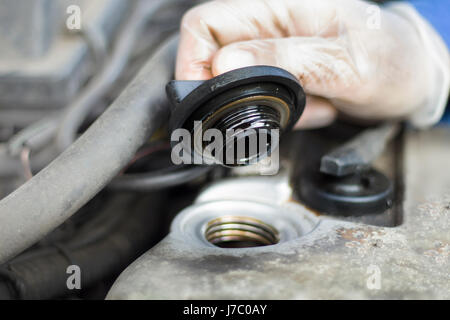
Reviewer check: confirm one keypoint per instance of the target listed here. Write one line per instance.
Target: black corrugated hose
(41, 273)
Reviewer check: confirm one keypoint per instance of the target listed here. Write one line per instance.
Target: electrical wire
(159, 180)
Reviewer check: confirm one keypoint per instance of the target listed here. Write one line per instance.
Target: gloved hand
(365, 61)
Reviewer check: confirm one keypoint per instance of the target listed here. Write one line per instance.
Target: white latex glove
(368, 62)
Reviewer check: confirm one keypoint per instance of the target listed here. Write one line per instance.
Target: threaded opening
(240, 232)
(252, 116)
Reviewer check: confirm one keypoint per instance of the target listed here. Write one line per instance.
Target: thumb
(323, 66)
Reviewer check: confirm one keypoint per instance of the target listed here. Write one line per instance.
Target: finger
(323, 66)
(208, 27)
(318, 113)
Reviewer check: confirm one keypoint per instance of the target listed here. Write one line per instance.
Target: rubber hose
(79, 173)
(44, 275)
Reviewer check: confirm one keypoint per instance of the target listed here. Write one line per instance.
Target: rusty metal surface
(336, 260)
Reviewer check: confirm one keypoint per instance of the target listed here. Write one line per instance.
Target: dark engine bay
(94, 207)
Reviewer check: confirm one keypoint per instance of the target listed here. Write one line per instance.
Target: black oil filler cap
(258, 97)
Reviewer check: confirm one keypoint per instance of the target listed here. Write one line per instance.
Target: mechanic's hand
(368, 72)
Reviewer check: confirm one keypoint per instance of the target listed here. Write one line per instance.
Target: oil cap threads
(244, 104)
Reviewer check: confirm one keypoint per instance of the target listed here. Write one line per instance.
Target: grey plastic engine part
(42, 63)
